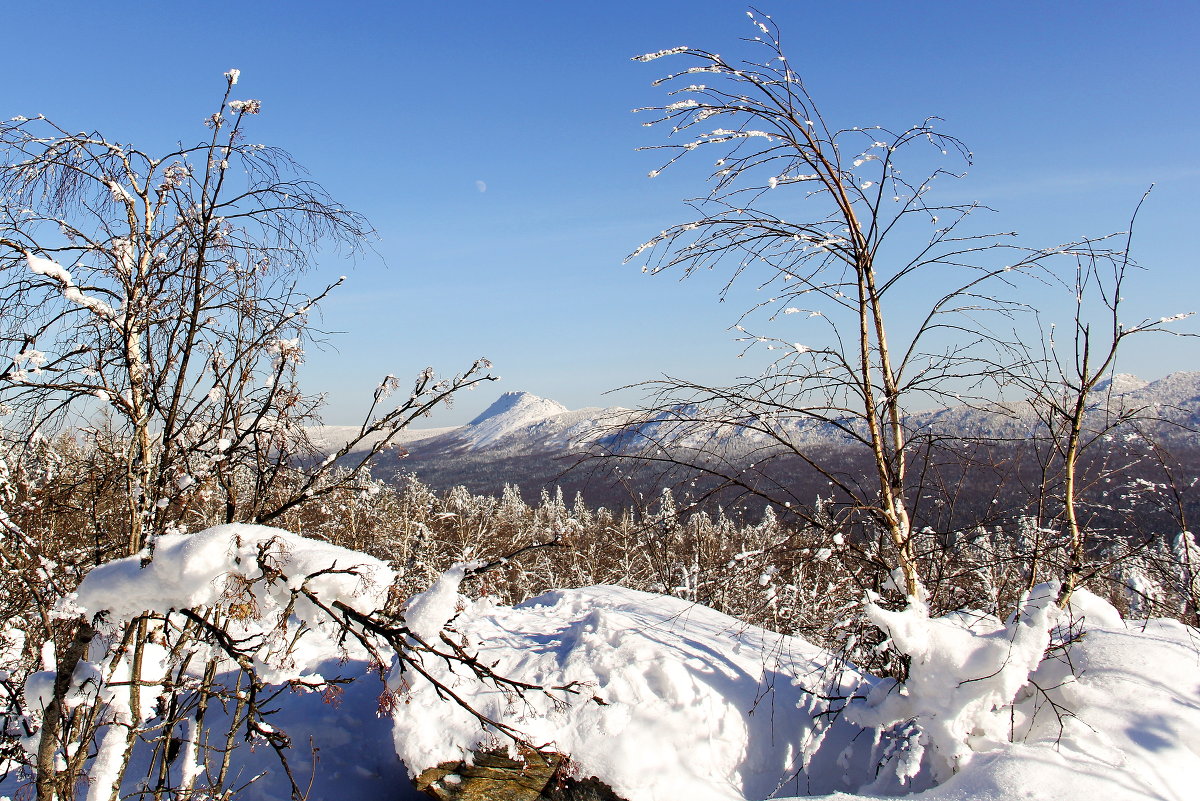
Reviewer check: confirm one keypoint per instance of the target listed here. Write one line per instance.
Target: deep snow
(701, 706)
(673, 700)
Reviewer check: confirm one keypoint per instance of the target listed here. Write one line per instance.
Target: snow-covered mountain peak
(1121, 383)
(511, 412)
(524, 406)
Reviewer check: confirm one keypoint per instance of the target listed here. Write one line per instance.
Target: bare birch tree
(1062, 381)
(819, 217)
(153, 305)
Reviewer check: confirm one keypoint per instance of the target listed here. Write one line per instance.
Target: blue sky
(406, 111)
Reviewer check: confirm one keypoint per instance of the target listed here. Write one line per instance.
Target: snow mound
(1114, 715)
(235, 597)
(258, 578)
(697, 705)
(510, 413)
(1177, 389)
(692, 703)
(965, 671)
(427, 613)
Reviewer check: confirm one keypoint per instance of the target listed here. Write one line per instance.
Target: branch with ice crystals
(386, 387)
(668, 52)
(1153, 325)
(286, 349)
(245, 106)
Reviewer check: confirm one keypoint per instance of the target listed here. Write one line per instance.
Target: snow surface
(1130, 731)
(695, 704)
(256, 569)
(664, 699)
(516, 421)
(702, 707)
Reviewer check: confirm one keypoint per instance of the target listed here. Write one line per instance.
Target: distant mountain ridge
(1122, 383)
(531, 441)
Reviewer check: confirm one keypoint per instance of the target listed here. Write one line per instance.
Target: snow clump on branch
(190, 571)
(52, 269)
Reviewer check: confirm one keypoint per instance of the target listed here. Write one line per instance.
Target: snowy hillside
(516, 421)
(537, 443)
(1121, 383)
(1175, 397)
(328, 439)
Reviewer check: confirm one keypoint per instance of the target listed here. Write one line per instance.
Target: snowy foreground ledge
(701, 706)
(695, 705)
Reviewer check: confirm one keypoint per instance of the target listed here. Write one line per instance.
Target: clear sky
(491, 145)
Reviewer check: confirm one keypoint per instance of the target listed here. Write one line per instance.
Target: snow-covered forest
(805, 591)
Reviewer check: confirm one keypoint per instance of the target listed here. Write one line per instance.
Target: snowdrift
(700, 706)
(676, 700)
(671, 700)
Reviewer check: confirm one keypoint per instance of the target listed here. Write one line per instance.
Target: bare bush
(152, 318)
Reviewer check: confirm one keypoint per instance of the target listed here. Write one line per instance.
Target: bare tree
(162, 295)
(821, 219)
(1062, 382)
(153, 307)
